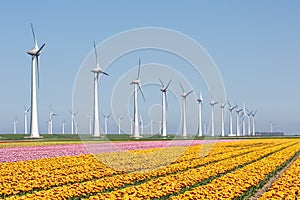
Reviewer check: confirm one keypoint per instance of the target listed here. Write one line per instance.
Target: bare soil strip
(272, 180)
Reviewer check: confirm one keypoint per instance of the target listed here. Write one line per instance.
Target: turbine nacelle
(136, 82)
(98, 70)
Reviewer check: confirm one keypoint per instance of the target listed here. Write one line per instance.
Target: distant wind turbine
(223, 119)
(72, 120)
(141, 125)
(200, 103)
(105, 123)
(96, 70)
(184, 96)
(249, 121)
(63, 127)
(253, 122)
(26, 110)
(51, 115)
(137, 85)
(119, 123)
(243, 121)
(164, 105)
(238, 129)
(15, 126)
(231, 108)
(212, 104)
(35, 53)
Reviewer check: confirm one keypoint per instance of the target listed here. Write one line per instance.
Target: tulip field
(182, 169)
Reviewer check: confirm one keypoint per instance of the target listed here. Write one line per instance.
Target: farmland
(228, 169)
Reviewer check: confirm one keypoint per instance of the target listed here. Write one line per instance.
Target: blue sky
(255, 45)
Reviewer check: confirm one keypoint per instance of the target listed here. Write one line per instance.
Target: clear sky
(255, 45)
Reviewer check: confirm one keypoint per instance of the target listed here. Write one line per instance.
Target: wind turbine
(253, 122)
(119, 123)
(15, 126)
(141, 125)
(76, 127)
(222, 119)
(243, 121)
(238, 129)
(105, 122)
(184, 95)
(26, 110)
(200, 103)
(164, 104)
(96, 70)
(137, 84)
(35, 53)
(72, 120)
(249, 122)
(51, 115)
(212, 104)
(231, 108)
(63, 127)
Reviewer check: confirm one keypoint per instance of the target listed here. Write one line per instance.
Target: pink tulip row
(13, 154)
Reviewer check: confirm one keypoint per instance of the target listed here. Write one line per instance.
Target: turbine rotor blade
(40, 49)
(34, 38)
(140, 88)
(97, 63)
(188, 93)
(169, 84)
(105, 73)
(38, 70)
(229, 104)
(162, 84)
(181, 87)
(139, 70)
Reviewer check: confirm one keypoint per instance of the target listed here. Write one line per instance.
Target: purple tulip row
(13, 154)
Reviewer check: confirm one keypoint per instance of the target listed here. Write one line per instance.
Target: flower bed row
(69, 170)
(174, 183)
(233, 185)
(287, 186)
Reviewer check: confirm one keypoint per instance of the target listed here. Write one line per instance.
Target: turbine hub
(136, 82)
(96, 70)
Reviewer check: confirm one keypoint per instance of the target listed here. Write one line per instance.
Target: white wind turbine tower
(15, 126)
(238, 129)
(222, 119)
(212, 104)
(25, 119)
(35, 53)
(76, 127)
(184, 95)
(200, 103)
(105, 123)
(72, 120)
(63, 127)
(253, 122)
(137, 84)
(51, 115)
(243, 121)
(96, 70)
(249, 121)
(164, 105)
(231, 108)
(119, 123)
(141, 125)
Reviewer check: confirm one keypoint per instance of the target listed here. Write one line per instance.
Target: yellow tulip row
(86, 162)
(173, 183)
(19, 177)
(287, 186)
(234, 184)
